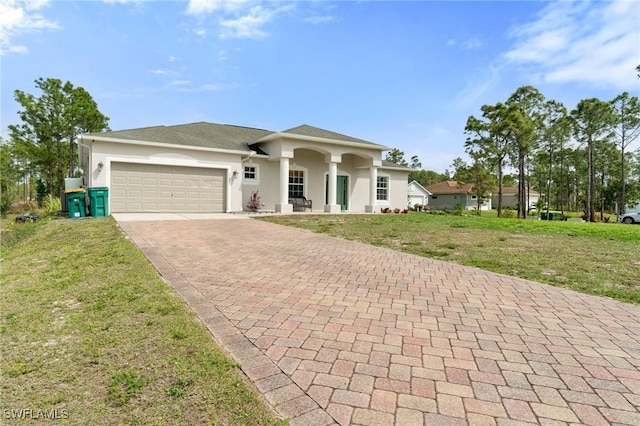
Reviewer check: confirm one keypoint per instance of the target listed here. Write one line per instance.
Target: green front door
(342, 192)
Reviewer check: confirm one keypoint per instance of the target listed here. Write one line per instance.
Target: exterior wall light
(100, 166)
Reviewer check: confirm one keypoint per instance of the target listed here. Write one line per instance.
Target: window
(250, 172)
(382, 191)
(296, 183)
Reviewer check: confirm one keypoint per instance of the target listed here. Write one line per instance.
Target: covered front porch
(333, 183)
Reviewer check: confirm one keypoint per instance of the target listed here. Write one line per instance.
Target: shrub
(254, 201)
(51, 204)
(508, 214)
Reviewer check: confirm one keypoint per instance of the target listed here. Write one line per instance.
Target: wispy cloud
(320, 19)
(235, 18)
(19, 17)
(472, 43)
(582, 42)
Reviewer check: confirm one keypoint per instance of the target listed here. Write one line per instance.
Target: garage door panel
(160, 188)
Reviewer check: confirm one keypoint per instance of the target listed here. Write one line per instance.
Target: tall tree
(525, 117)
(555, 133)
(49, 123)
(592, 122)
(396, 156)
(415, 163)
(627, 128)
(489, 139)
(480, 176)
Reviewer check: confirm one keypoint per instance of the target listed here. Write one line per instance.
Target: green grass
(594, 258)
(87, 326)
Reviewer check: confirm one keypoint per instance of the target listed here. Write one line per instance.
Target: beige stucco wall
(316, 170)
(109, 152)
(313, 159)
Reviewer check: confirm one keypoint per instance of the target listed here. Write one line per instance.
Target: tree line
(41, 149)
(578, 159)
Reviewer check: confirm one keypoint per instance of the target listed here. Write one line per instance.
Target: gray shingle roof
(220, 136)
(306, 130)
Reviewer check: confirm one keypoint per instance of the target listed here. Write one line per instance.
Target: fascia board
(173, 146)
(280, 135)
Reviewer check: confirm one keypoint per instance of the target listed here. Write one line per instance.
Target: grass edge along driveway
(90, 333)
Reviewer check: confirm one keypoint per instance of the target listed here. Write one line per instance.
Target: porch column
(332, 207)
(373, 190)
(284, 206)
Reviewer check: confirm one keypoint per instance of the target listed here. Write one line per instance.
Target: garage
(160, 188)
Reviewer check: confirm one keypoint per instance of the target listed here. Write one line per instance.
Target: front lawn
(595, 258)
(91, 334)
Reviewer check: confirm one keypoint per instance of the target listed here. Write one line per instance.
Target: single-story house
(417, 194)
(510, 197)
(449, 194)
(207, 167)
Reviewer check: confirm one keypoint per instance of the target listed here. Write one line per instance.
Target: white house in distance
(207, 167)
(449, 194)
(417, 194)
(510, 197)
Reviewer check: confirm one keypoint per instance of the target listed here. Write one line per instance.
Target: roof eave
(166, 145)
(281, 135)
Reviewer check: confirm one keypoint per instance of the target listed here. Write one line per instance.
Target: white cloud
(235, 18)
(172, 59)
(197, 7)
(590, 43)
(246, 26)
(451, 42)
(19, 17)
(159, 72)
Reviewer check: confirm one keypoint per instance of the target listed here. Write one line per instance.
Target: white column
(373, 190)
(331, 206)
(284, 206)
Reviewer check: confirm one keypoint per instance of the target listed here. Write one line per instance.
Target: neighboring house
(510, 197)
(417, 194)
(206, 167)
(449, 194)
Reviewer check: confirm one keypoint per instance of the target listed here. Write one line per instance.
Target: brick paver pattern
(337, 332)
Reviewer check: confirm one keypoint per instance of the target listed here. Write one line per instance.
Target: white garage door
(155, 188)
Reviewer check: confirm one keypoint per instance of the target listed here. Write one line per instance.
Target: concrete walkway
(337, 332)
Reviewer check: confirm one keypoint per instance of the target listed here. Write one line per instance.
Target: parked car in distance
(629, 218)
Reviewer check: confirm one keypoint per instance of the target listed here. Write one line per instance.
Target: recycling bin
(76, 203)
(99, 201)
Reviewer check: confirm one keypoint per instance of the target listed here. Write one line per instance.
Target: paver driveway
(334, 331)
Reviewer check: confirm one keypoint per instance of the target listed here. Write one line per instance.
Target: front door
(342, 192)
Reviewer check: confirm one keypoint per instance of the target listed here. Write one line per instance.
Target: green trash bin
(99, 201)
(76, 203)
(552, 216)
(543, 215)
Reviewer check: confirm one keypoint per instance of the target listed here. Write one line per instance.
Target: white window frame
(251, 181)
(305, 175)
(379, 188)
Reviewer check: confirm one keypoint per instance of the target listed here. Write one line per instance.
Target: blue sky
(404, 74)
